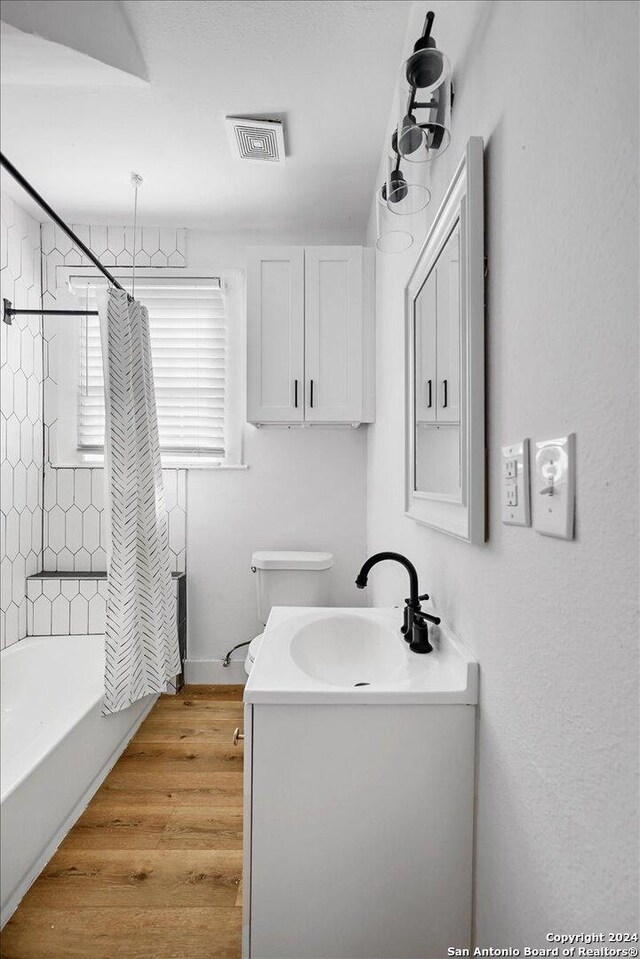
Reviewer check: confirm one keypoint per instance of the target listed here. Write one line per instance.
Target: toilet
(288, 578)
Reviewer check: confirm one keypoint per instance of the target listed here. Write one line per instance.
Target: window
(187, 321)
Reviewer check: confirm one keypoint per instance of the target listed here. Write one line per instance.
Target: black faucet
(415, 627)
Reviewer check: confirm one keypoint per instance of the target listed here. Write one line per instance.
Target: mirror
(444, 388)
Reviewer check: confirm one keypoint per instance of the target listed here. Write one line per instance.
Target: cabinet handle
(429, 396)
(237, 736)
(311, 394)
(445, 397)
(295, 393)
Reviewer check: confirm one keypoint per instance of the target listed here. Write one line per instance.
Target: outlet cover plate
(514, 486)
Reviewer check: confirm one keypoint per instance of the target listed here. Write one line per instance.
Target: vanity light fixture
(400, 196)
(423, 132)
(424, 122)
(392, 233)
(405, 190)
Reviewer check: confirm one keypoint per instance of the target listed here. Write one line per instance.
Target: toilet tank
(291, 578)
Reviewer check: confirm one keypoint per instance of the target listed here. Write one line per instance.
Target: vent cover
(259, 140)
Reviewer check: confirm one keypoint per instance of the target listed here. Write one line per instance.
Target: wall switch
(516, 500)
(554, 486)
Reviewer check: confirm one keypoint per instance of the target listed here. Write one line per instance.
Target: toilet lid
(254, 646)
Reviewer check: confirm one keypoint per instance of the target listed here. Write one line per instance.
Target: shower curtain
(141, 631)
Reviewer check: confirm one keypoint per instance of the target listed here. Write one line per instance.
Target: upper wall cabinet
(310, 335)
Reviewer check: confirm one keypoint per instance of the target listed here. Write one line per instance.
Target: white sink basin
(346, 650)
(356, 656)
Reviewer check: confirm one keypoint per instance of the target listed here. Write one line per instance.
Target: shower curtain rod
(8, 312)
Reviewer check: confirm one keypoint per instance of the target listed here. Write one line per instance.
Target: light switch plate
(514, 486)
(554, 484)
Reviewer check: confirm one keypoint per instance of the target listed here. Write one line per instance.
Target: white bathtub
(56, 749)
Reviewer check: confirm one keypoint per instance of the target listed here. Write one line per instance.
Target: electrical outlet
(516, 501)
(554, 487)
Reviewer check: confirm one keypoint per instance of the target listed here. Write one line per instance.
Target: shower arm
(8, 312)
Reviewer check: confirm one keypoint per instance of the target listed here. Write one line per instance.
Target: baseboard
(211, 672)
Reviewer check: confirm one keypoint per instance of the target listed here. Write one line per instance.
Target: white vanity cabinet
(310, 335)
(358, 830)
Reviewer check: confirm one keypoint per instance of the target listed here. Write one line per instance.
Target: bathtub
(56, 749)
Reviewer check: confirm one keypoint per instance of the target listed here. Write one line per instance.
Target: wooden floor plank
(154, 865)
(143, 878)
(107, 933)
(105, 826)
(185, 729)
(202, 757)
(214, 693)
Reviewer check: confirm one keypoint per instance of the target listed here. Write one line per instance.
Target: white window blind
(187, 322)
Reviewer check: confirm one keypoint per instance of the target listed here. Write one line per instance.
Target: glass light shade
(426, 69)
(405, 189)
(424, 121)
(392, 234)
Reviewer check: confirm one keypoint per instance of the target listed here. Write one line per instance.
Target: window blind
(187, 322)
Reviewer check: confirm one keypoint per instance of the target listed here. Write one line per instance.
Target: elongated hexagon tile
(60, 616)
(34, 589)
(13, 439)
(20, 486)
(26, 442)
(56, 529)
(88, 588)
(51, 588)
(25, 532)
(69, 587)
(97, 614)
(36, 533)
(12, 625)
(82, 492)
(91, 529)
(6, 580)
(42, 612)
(64, 561)
(73, 529)
(13, 534)
(82, 560)
(65, 488)
(19, 575)
(79, 615)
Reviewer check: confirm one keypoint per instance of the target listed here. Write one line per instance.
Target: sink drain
(362, 684)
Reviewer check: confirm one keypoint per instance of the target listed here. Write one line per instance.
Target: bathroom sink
(356, 656)
(346, 650)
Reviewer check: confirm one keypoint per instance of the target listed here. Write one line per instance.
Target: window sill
(98, 464)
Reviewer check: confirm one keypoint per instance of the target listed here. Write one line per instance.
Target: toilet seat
(252, 652)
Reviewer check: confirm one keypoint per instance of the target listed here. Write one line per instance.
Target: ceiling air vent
(261, 140)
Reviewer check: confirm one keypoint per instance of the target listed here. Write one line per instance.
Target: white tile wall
(74, 532)
(113, 246)
(67, 606)
(50, 518)
(74, 498)
(21, 428)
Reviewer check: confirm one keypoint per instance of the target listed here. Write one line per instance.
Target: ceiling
(327, 67)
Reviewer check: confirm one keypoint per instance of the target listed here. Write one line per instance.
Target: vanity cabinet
(358, 830)
(310, 335)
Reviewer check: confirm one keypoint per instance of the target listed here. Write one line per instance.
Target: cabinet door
(333, 334)
(275, 335)
(448, 331)
(338, 865)
(425, 351)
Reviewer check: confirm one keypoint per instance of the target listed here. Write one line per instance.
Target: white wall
(553, 89)
(304, 489)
